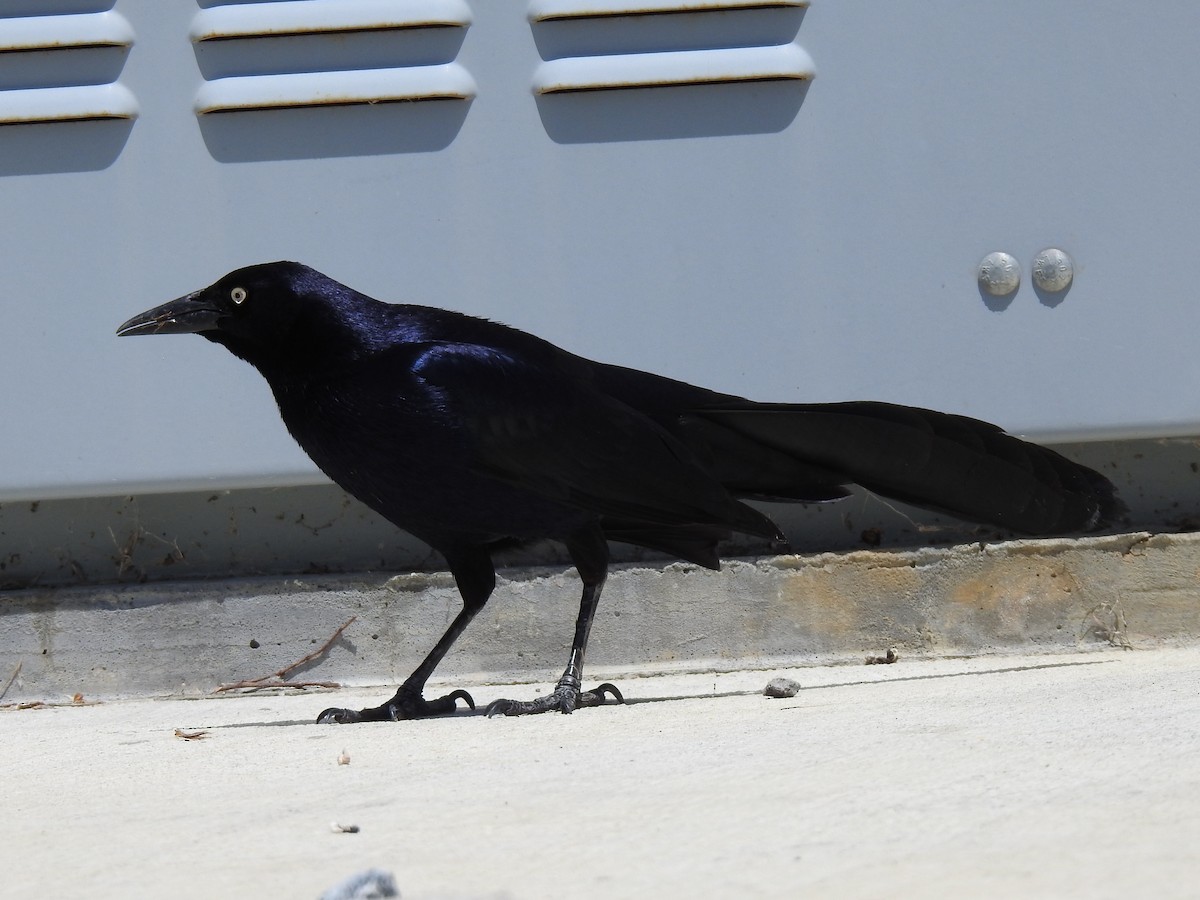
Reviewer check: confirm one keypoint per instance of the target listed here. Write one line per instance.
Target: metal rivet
(1053, 271)
(999, 274)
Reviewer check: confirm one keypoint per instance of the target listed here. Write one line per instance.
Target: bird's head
(262, 313)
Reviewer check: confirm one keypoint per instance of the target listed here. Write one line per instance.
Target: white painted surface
(764, 239)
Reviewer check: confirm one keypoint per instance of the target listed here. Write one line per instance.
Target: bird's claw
(459, 695)
(404, 705)
(595, 697)
(336, 715)
(564, 699)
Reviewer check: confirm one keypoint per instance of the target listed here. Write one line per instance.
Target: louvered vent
(596, 45)
(62, 65)
(297, 54)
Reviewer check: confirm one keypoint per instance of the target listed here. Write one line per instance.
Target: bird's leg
(476, 579)
(590, 555)
(409, 702)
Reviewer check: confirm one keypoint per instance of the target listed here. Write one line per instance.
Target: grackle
(470, 434)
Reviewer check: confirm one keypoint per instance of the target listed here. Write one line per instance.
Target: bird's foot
(565, 698)
(405, 705)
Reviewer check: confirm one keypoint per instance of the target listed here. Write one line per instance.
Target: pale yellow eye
(238, 295)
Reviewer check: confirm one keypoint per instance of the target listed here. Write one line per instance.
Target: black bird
(470, 434)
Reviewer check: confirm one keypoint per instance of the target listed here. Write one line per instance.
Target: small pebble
(781, 687)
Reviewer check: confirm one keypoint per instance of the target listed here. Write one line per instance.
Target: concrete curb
(1020, 596)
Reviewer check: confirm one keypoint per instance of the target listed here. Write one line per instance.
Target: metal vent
(64, 68)
(296, 54)
(593, 45)
(292, 17)
(679, 67)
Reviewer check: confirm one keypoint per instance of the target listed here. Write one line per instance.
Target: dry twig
(275, 679)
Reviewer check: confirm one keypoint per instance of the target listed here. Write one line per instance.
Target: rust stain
(302, 31)
(33, 119)
(1013, 598)
(698, 80)
(61, 45)
(840, 601)
(319, 102)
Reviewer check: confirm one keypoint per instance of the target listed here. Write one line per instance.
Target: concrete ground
(998, 776)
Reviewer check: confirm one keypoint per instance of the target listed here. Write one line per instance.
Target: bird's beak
(187, 315)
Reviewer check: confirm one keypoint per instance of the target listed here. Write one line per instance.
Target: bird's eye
(238, 295)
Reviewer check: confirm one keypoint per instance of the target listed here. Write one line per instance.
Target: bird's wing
(537, 420)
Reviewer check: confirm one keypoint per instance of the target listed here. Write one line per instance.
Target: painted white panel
(806, 241)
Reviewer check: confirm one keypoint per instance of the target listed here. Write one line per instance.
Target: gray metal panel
(761, 237)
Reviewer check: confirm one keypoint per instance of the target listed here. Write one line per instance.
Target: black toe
(405, 705)
(564, 698)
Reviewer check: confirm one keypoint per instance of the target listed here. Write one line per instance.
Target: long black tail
(939, 461)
